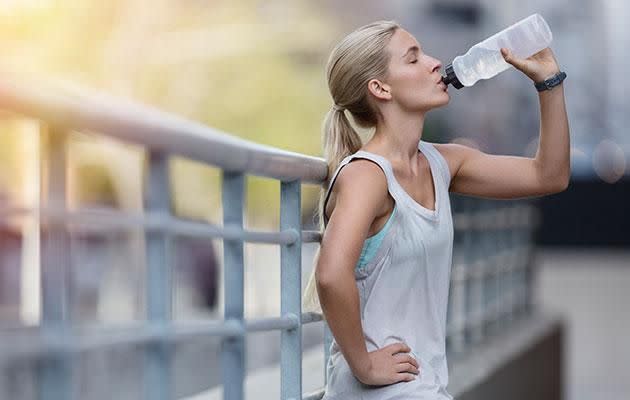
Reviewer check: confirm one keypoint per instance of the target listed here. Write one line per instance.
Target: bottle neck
(451, 78)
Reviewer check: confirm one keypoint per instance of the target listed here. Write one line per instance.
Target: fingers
(406, 358)
(507, 55)
(407, 367)
(399, 347)
(403, 358)
(408, 377)
(402, 376)
(400, 351)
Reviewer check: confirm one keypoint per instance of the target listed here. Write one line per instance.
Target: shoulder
(362, 170)
(360, 176)
(454, 154)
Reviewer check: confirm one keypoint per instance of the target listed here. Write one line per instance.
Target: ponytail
(359, 57)
(340, 141)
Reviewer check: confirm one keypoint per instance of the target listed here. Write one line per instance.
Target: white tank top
(404, 289)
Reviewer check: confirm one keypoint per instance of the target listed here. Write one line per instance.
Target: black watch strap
(551, 82)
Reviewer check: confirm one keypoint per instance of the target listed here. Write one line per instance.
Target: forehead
(401, 41)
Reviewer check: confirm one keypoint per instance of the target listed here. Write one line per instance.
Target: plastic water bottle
(484, 60)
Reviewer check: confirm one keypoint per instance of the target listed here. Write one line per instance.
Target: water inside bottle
(484, 60)
(487, 63)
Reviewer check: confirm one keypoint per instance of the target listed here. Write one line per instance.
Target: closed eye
(414, 61)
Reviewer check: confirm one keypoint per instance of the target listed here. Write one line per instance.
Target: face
(414, 81)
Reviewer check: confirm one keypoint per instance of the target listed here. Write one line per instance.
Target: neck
(397, 137)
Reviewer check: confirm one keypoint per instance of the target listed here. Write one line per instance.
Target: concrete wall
(536, 373)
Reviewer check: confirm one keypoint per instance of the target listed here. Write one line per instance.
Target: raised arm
(506, 177)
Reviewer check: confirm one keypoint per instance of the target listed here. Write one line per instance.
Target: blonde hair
(356, 59)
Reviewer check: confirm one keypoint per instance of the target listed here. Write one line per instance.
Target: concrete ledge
(522, 362)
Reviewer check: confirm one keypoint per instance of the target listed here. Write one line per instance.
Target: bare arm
(553, 151)
(505, 177)
(340, 248)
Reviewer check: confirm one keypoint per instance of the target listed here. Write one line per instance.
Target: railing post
(55, 373)
(291, 275)
(328, 337)
(502, 303)
(531, 267)
(458, 290)
(158, 367)
(513, 250)
(494, 265)
(476, 311)
(233, 348)
(488, 266)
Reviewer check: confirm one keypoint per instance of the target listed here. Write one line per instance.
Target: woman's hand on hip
(390, 364)
(538, 67)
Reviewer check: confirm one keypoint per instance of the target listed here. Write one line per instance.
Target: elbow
(560, 185)
(327, 279)
(323, 279)
(555, 181)
(332, 272)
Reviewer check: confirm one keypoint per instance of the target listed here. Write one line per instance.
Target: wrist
(543, 76)
(551, 82)
(362, 370)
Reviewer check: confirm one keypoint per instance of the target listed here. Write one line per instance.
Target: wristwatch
(550, 83)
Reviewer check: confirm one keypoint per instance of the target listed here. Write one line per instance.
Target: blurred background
(255, 69)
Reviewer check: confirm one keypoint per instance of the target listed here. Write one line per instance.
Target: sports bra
(371, 244)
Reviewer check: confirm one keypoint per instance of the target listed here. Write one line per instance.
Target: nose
(437, 66)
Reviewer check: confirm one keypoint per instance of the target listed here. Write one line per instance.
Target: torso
(419, 187)
(403, 290)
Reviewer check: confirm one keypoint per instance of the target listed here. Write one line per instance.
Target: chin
(438, 101)
(441, 103)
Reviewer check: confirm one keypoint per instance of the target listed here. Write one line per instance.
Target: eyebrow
(412, 48)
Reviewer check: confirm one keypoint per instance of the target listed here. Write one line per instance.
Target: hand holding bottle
(537, 67)
(527, 45)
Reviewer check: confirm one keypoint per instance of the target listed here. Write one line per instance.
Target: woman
(385, 297)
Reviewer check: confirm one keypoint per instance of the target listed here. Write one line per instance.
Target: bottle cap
(451, 77)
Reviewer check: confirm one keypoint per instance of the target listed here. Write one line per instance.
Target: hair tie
(337, 107)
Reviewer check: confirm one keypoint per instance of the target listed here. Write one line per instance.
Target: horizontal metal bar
(65, 104)
(309, 317)
(24, 343)
(269, 324)
(311, 237)
(314, 395)
(106, 220)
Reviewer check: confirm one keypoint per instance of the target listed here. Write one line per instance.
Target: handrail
(67, 105)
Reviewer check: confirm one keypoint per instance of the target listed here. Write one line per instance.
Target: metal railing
(490, 280)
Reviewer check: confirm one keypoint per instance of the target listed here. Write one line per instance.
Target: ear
(379, 89)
